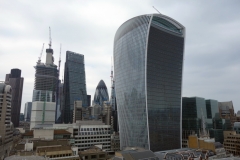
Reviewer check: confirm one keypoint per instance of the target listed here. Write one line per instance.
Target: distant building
(89, 133)
(88, 100)
(101, 93)
(196, 112)
(226, 111)
(148, 61)
(21, 118)
(27, 111)
(15, 80)
(74, 84)
(236, 127)
(232, 142)
(113, 104)
(115, 142)
(44, 93)
(93, 153)
(78, 111)
(6, 131)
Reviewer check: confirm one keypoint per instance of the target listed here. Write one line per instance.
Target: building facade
(74, 84)
(6, 132)
(101, 93)
(44, 93)
(226, 111)
(27, 111)
(148, 60)
(15, 80)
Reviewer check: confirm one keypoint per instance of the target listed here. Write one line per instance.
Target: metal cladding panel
(129, 69)
(164, 83)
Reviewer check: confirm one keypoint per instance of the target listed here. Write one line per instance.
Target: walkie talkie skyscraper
(148, 64)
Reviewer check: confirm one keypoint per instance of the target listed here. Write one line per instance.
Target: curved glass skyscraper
(148, 63)
(101, 93)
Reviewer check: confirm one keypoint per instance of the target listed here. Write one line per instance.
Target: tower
(148, 63)
(45, 88)
(74, 84)
(101, 93)
(15, 80)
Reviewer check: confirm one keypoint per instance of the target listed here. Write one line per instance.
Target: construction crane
(50, 39)
(39, 58)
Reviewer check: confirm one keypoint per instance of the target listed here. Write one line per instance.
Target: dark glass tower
(101, 93)
(74, 84)
(15, 80)
(148, 60)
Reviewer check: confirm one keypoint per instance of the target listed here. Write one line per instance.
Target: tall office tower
(6, 132)
(148, 60)
(74, 84)
(101, 93)
(27, 111)
(15, 80)
(44, 93)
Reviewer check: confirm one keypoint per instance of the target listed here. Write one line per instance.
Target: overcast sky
(212, 45)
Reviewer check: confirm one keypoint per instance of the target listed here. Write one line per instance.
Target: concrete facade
(6, 132)
(39, 115)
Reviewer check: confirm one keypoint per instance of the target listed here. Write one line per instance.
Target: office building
(226, 111)
(78, 111)
(74, 84)
(148, 60)
(44, 93)
(236, 127)
(232, 142)
(6, 131)
(101, 93)
(27, 111)
(88, 100)
(15, 80)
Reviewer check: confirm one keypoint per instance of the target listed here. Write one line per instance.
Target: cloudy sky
(212, 46)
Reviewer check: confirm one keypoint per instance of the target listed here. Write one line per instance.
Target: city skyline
(211, 50)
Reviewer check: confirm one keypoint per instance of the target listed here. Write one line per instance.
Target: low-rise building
(93, 153)
(232, 142)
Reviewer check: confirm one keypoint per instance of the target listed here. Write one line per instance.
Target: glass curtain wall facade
(148, 60)
(74, 84)
(101, 93)
(27, 111)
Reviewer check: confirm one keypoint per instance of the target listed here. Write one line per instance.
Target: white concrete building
(42, 113)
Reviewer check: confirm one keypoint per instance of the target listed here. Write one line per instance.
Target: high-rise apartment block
(15, 80)
(74, 84)
(148, 60)
(6, 132)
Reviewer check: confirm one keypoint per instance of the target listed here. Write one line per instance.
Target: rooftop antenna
(50, 39)
(156, 9)
(39, 58)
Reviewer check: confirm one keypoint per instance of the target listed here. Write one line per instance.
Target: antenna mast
(156, 9)
(39, 58)
(50, 39)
